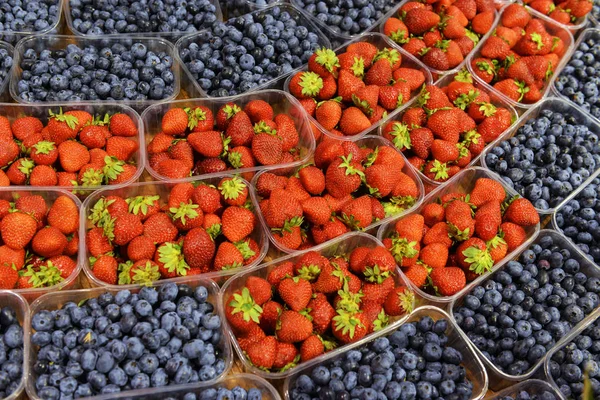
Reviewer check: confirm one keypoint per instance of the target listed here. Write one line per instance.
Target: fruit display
(96, 342)
(448, 126)
(74, 146)
(150, 232)
(6, 63)
(89, 18)
(199, 137)
(40, 240)
(461, 231)
(527, 300)
(441, 33)
(29, 17)
(235, 8)
(579, 80)
(350, 91)
(532, 389)
(249, 52)
(552, 153)
(577, 219)
(67, 68)
(349, 186)
(521, 55)
(594, 15)
(293, 310)
(569, 12)
(421, 359)
(12, 337)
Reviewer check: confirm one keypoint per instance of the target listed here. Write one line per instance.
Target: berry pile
(519, 65)
(347, 17)
(199, 228)
(443, 247)
(569, 364)
(528, 395)
(595, 13)
(28, 15)
(565, 12)
(104, 18)
(361, 77)
(113, 343)
(580, 79)
(447, 127)
(348, 188)
(579, 218)
(414, 362)
(6, 62)
(39, 243)
(221, 392)
(193, 141)
(235, 8)
(518, 314)
(439, 34)
(548, 157)
(304, 309)
(121, 71)
(245, 52)
(11, 352)
(74, 148)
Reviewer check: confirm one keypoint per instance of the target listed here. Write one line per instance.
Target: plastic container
(235, 8)
(57, 42)
(498, 378)
(473, 366)
(55, 300)
(341, 245)
(281, 103)
(162, 189)
(19, 305)
(50, 194)
(380, 41)
(13, 111)
(553, 104)
(171, 36)
(463, 182)
(531, 386)
(53, 28)
(4, 95)
(554, 29)
(192, 87)
(368, 141)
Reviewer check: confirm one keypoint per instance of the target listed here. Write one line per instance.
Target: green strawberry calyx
(235, 159)
(44, 147)
(232, 188)
(113, 167)
(311, 83)
(92, 177)
(244, 303)
(465, 99)
(358, 67)
(263, 127)
(347, 323)
(399, 36)
(139, 204)
(145, 274)
(349, 301)
(350, 170)
(215, 230)
(406, 299)
(440, 170)
(402, 248)
(481, 261)
(26, 166)
(401, 136)
(472, 35)
(327, 58)
(463, 76)
(123, 269)
(363, 105)
(392, 55)
(99, 212)
(309, 272)
(244, 247)
(231, 109)
(185, 210)
(47, 275)
(381, 321)
(537, 39)
(457, 234)
(375, 274)
(194, 116)
(100, 121)
(70, 120)
(171, 255)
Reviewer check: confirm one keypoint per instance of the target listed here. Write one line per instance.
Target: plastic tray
(473, 366)
(162, 189)
(55, 42)
(4, 95)
(19, 304)
(531, 386)
(50, 195)
(555, 29)
(338, 246)
(463, 182)
(52, 29)
(53, 301)
(380, 41)
(171, 36)
(235, 8)
(498, 378)
(192, 87)
(40, 110)
(281, 103)
(368, 141)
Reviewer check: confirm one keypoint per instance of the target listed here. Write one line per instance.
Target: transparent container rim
(537, 383)
(20, 47)
(24, 313)
(87, 204)
(54, 25)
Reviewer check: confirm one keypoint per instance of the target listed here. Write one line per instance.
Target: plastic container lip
(306, 136)
(475, 371)
(54, 300)
(50, 194)
(51, 26)
(565, 35)
(5, 82)
(61, 41)
(347, 242)
(547, 103)
(380, 41)
(273, 83)
(376, 141)
(19, 304)
(259, 234)
(537, 385)
(172, 36)
(467, 177)
(40, 110)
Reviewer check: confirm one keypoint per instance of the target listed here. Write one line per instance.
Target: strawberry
(9, 151)
(364, 49)
(286, 130)
(271, 312)
(331, 279)
(312, 179)
(419, 20)
(357, 214)
(237, 223)
(105, 269)
(515, 15)
(312, 347)
(241, 311)
(348, 84)
(445, 125)
(295, 292)
(349, 327)
(467, 7)
(309, 105)
(43, 175)
(17, 229)
(486, 190)
(290, 237)
(329, 88)
(65, 126)
(434, 255)
(285, 357)
(260, 289)
(267, 148)
(122, 125)
(482, 23)
(140, 248)
(253, 335)
(209, 166)
(305, 84)
(240, 129)
(444, 151)
(395, 30)
(495, 48)
(521, 212)
(579, 8)
(366, 98)
(435, 58)
(465, 44)
(224, 115)
(201, 118)
(438, 233)
(487, 220)
(281, 209)
(64, 264)
(343, 176)
(49, 242)
(417, 274)
(175, 122)
(512, 89)
(8, 277)
(378, 292)
(23, 127)
(208, 143)
(514, 235)
(448, 281)
(258, 110)
(233, 190)
(498, 248)
(228, 257)
(353, 121)
(73, 156)
(321, 313)
(262, 354)
(400, 301)
(316, 210)
(198, 248)
(379, 74)
(293, 327)
(280, 272)
(453, 29)
(97, 242)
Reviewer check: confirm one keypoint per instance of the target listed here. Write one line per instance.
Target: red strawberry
(295, 292)
(514, 235)
(259, 110)
(365, 49)
(343, 176)
(348, 84)
(286, 130)
(349, 327)
(286, 356)
(229, 257)
(237, 223)
(280, 272)
(400, 301)
(395, 30)
(444, 151)
(521, 212)
(198, 248)
(417, 274)
(436, 59)
(262, 354)
(293, 327)
(448, 281)
(233, 190)
(357, 214)
(311, 348)
(105, 269)
(515, 15)
(321, 313)
(271, 312)
(486, 190)
(305, 84)
(379, 74)
(419, 20)
(241, 311)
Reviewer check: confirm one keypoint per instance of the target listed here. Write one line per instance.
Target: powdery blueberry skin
(11, 352)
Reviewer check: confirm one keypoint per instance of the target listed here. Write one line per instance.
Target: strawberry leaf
(244, 303)
(171, 255)
(481, 261)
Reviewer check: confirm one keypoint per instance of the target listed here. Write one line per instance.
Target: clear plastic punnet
(54, 27)
(463, 182)
(161, 189)
(282, 103)
(19, 305)
(4, 94)
(531, 386)
(342, 245)
(236, 8)
(474, 369)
